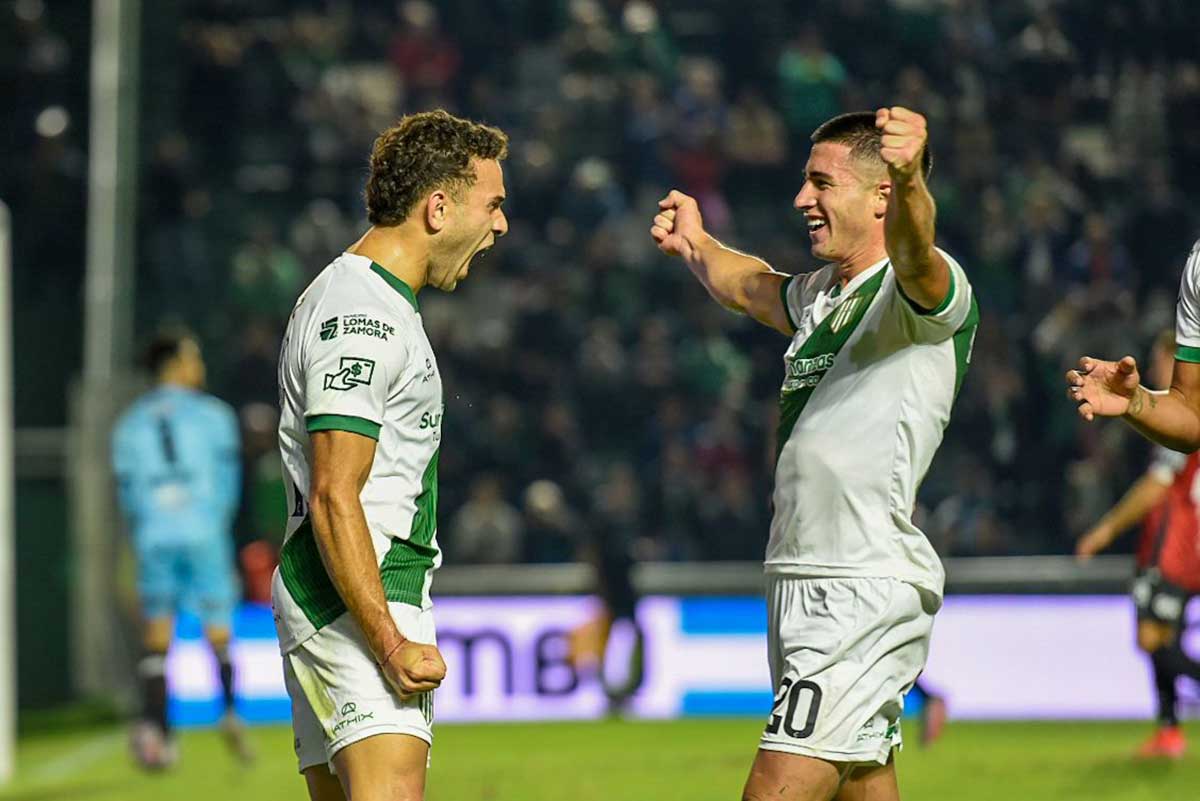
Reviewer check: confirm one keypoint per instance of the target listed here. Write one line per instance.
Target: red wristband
(391, 651)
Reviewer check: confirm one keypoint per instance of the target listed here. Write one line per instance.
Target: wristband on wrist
(391, 651)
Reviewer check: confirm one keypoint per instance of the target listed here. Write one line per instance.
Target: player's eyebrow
(497, 200)
(818, 175)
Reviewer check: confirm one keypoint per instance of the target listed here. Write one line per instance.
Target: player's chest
(417, 405)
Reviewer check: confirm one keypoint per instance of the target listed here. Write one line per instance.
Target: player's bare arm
(1134, 505)
(736, 280)
(909, 223)
(341, 464)
(1113, 389)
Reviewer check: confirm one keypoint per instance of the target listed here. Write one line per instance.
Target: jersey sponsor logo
(365, 325)
(329, 329)
(431, 420)
(806, 371)
(353, 371)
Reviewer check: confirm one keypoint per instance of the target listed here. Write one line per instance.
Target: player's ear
(883, 191)
(437, 209)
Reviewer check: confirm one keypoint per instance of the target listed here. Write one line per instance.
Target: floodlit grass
(696, 760)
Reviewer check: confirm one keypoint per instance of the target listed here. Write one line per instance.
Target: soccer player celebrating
(881, 337)
(360, 427)
(177, 457)
(1168, 563)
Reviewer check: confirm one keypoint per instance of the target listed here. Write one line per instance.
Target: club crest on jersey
(844, 313)
(353, 371)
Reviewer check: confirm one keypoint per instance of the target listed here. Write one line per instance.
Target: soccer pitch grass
(696, 760)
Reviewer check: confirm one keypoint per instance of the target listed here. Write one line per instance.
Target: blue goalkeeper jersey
(177, 458)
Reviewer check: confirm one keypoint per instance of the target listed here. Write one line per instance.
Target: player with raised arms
(880, 339)
(360, 428)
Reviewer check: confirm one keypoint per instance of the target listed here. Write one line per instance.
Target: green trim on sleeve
(941, 307)
(398, 285)
(1185, 353)
(343, 422)
(783, 290)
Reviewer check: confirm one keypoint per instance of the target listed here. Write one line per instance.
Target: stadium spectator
(486, 529)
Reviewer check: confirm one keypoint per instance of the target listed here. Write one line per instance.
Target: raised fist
(678, 227)
(904, 138)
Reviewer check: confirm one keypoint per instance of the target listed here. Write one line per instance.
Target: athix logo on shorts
(354, 371)
(350, 716)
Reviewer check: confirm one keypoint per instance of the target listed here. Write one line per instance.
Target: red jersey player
(1167, 501)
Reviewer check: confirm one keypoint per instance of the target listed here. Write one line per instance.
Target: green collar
(398, 285)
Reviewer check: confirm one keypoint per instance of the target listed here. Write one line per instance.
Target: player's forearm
(725, 272)
(909, 225)
(921, 271)
(344, 542)
(1134, 505)
(1165, 417)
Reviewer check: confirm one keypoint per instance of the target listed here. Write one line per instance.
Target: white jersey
(355, 358)
(866, 396)
(1187, 312)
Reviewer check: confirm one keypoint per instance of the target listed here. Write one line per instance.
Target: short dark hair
(164, 346)
(856, 130)
(422, 152)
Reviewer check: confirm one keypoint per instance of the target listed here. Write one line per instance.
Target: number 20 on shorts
(789, 692)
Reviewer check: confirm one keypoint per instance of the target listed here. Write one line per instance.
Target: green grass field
(696, 760)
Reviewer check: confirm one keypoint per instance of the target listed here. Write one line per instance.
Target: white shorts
(843, 652)
(339, 695)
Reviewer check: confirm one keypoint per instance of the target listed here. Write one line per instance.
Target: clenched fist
(413, 668)
(904, 138)
(678, 229)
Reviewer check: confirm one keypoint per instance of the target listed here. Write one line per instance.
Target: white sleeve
(1187, 312)
(796, 295)
(939, 324)
(348, 376)
(1166, 464)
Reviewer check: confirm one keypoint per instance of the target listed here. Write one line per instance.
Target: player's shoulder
(803, 287)
(215, 408)
(352, 286)
(1191, 267)
(954, 264)
(126, 421)
(137, 410)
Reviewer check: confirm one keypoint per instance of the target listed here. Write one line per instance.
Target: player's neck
(853, 266)
(397, 250)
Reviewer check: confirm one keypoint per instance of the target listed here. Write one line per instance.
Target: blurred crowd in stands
(591, 384)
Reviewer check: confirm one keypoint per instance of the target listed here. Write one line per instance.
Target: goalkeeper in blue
(177, 458)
